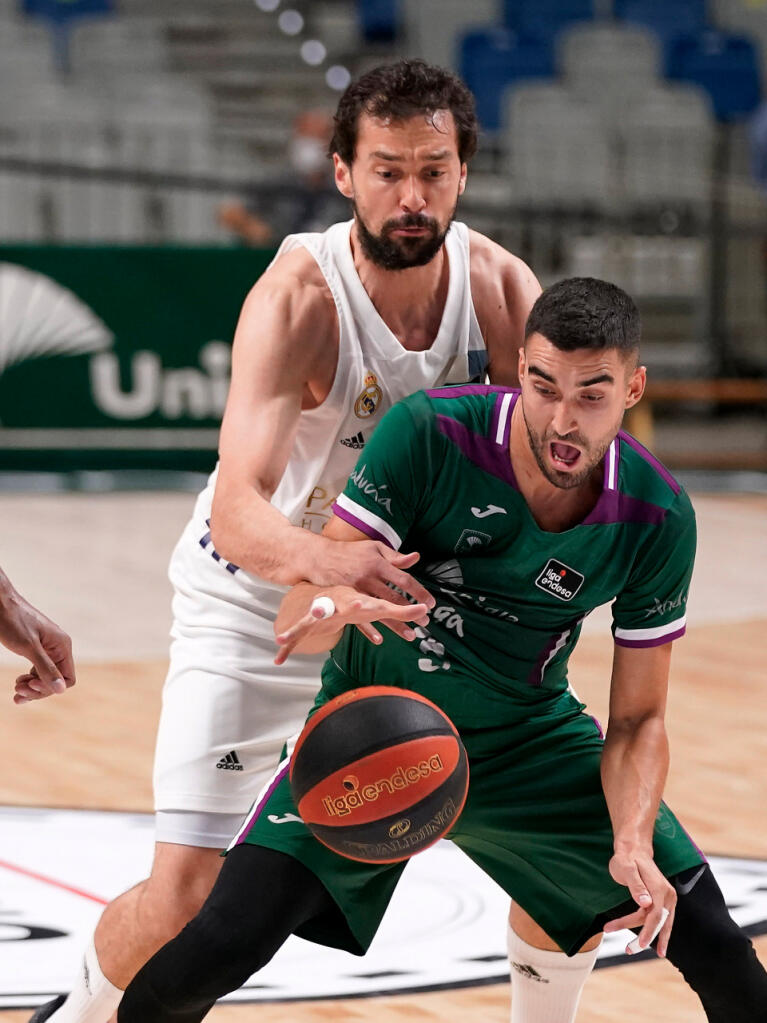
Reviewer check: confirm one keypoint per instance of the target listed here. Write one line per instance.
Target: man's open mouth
(563, 455)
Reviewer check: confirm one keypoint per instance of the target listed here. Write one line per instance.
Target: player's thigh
(536, 821)
(227, 711)
(360, 892)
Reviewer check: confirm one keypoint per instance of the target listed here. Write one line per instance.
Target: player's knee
(213, 954)
(181, 880)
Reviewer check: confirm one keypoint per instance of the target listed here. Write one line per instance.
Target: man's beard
(566, 480)
(401, 253)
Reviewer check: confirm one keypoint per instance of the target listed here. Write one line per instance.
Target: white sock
(546, 986)
(92, 999)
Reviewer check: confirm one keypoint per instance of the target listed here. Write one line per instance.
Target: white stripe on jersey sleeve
(503, 416)
(374, 521)
(655, 633)
(611, 481)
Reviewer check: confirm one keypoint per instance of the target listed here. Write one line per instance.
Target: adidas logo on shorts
(357, 442)
(231, 762)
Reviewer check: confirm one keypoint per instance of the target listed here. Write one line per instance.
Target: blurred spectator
(305, 199)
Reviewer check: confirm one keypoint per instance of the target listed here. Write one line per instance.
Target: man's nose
(563, 421)
(412, 197)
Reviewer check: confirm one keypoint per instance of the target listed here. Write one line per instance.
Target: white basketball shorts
(227, 709)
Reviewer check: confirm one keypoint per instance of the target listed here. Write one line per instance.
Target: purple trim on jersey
(613, 506)
(658, 641)
(598, 726)
(483, 451)
(370, 531)
(535, 678)
(464, 390)
(259, 805)
(661, 469)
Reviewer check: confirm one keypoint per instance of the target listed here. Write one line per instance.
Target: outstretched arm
(307, 628)
(285, 354)
(634, 767)
(26, 631)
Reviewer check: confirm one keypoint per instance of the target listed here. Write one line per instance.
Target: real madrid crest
(367, 402)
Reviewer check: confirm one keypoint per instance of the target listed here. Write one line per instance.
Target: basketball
(379, 774)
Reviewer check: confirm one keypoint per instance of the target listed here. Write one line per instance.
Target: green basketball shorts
(535, 821)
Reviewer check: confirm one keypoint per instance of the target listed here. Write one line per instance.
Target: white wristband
(323, 604)
(633, 946)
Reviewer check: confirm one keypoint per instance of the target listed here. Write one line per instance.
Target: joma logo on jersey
(559, 580)
(357, 795)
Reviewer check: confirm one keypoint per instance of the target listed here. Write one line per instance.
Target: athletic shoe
(47, 1010)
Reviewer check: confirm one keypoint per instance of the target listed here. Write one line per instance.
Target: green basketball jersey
(436, 477)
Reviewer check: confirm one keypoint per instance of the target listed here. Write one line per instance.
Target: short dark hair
(583, 312)
(400, 91)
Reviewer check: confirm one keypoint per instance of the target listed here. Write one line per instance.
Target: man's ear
(521, 364)
(636, 385)
(343, 177)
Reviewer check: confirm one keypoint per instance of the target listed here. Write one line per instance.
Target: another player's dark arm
(635, 763)
(27, 632)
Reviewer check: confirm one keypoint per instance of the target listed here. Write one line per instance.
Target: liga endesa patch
(559, 580)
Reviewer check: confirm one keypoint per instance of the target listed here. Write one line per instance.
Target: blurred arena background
(152, 155)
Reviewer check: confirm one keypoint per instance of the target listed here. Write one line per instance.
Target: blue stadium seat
(669, 19)
(726, 66)
(544, 18)
(379, 19)
(493, 58)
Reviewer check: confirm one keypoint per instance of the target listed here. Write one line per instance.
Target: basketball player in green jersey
(528, 510)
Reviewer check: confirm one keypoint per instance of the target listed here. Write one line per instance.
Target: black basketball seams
(346, 736)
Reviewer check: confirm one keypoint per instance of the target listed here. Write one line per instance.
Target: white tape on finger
(634, 946)
(323, 604)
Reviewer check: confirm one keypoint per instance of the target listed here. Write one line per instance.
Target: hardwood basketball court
(96, 563)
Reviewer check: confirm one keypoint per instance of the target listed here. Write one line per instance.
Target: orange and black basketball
(379, 774)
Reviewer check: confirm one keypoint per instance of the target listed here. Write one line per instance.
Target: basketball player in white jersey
(340, 327)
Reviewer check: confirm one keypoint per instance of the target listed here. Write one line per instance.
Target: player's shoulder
(294, 273)
(497, 275)
(643, 476)
(294, 294)
(470, 405)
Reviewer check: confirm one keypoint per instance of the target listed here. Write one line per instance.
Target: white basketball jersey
(373, 372)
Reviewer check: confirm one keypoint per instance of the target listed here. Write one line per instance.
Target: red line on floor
(53, 882)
